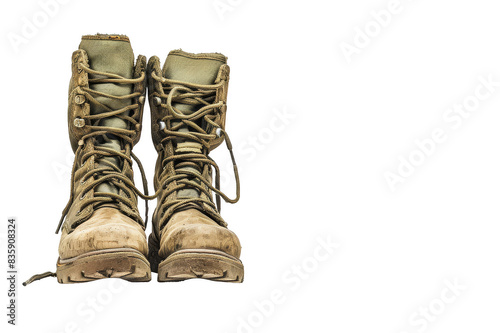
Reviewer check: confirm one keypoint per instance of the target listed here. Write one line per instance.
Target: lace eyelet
(161, 125)
(78, 122)
(79, 99)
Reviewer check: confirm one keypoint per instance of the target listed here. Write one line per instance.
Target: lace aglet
(60, 224)
(37, 277)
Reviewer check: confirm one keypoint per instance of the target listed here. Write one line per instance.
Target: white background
(317, 176)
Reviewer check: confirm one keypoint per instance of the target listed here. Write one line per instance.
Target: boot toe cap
(197, 232)
(104, 230)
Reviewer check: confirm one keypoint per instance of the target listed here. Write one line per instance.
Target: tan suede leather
(191, 229)
(106, 229)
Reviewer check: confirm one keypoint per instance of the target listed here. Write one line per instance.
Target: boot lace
(176, 166)
(107, 171)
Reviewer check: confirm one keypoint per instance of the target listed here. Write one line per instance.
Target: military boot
(188, 110)
(103, 234)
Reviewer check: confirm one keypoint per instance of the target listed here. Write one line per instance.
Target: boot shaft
(111, 54)
(188, 110)
(205, 69)
(105, 107)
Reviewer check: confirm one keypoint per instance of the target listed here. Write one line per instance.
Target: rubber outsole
(202, 264)
(123, 263)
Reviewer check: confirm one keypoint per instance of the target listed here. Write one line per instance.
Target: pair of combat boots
(103, 234)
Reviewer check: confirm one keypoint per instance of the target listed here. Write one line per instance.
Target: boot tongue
(199, 68)
(111, 54)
